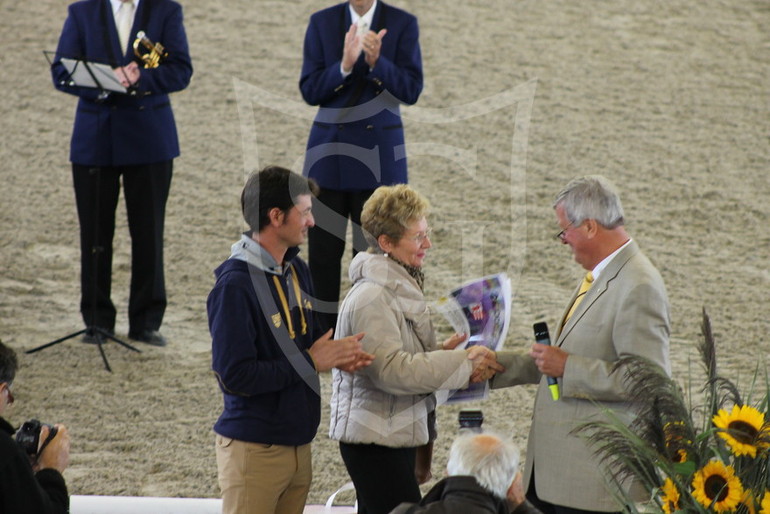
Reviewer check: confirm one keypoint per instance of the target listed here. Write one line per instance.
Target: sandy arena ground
(668, 99)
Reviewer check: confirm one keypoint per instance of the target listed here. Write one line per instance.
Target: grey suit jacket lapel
(596, 290)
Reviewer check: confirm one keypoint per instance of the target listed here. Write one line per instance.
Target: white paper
(104, 75)
(480, 308)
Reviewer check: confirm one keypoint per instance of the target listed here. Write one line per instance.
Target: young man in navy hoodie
(267, 351)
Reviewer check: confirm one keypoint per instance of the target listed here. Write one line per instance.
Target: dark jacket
(357, 138)
(22, 491)
(271, 389)
(124, 130)
(461, 495)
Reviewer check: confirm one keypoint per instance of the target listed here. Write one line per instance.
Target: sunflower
(676, 442)
(715, 485)
(765, 505)
(670, 497)
(743, 429)
(681, 456)
(748, 502)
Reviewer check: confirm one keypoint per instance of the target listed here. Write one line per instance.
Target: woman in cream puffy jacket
(382, 413)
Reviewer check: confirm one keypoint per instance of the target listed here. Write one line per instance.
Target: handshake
(485, 364)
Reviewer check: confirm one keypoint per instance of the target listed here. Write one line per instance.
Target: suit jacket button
(369, 127)
(340, 126)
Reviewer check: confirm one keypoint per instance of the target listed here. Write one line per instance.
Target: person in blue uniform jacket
(131, 135)
(361, 61)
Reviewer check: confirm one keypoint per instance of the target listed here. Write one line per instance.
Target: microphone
(542, 337)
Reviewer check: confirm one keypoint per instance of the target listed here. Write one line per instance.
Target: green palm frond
(671, 439)
(707, 348)
(622, 452)
(726, 392)
(663, 416)
(660, 434)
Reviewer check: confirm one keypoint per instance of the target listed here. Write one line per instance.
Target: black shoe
(151, 337)
(89, 337)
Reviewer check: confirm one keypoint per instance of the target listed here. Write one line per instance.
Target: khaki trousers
(263, 478)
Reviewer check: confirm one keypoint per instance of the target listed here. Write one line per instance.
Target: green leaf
(686, 468)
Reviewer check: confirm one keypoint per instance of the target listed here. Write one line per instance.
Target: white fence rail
(152, 505)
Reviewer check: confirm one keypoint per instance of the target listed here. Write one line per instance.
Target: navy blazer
(124, 129)
(357, 139)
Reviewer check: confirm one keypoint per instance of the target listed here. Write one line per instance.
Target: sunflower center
(716, 485)
(743, 432)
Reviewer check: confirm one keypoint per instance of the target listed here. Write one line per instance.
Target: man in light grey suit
(625, 311)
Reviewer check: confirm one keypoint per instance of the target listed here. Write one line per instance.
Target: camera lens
(471, 420)
(28, 436)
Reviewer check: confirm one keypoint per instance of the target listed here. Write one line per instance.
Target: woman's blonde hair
(389, 211)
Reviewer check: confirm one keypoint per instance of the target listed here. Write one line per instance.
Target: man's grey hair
(492, 460)
(591, 197)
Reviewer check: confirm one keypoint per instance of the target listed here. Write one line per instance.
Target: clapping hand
(346, 354)
(372, 44)
(369, 43)
(361, 360)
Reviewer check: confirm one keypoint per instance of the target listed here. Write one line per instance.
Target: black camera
(28, 436)
(471, 420)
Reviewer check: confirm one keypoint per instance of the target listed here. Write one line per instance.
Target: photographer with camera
(31, 465)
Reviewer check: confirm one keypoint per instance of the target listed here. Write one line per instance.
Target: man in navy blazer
(361, 61)
(132, 136)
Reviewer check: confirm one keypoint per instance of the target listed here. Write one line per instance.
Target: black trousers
(97, 190)
(549, 508)
(326, 245)
(384, 477)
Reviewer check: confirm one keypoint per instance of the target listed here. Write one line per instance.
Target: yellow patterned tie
(587, 281)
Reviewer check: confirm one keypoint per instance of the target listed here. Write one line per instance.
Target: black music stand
(82, 73)
(86, 73)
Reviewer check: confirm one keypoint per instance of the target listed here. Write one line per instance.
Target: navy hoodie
(271, 389)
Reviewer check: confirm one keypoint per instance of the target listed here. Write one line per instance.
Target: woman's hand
(453, 341)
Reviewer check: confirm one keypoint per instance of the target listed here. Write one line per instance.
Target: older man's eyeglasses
(560, 236)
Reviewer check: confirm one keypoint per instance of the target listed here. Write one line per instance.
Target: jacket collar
(598, 288)
(467, 491)
(407, 297)
(251, 252)
(387, 273)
